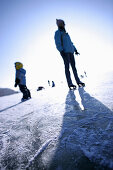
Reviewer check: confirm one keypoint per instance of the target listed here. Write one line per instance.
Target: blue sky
(27, 30)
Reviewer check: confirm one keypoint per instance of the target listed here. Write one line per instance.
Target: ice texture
(59, 129)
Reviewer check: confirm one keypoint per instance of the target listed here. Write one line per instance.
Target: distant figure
(40, 88)
(49, 82)
(53, 84)
(85, 73)
(20, 80)
(82, 76)
(66, 48)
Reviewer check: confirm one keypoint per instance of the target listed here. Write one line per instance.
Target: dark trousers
(68, 59)
(25, 91)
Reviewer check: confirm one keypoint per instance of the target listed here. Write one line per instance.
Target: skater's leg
(66, 60)
(72, 61)
(23, 89)
(28, 92)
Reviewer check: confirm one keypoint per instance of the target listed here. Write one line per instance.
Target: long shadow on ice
(86, 138)
(10, 107)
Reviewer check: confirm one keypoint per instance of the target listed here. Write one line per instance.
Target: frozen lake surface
(59, 129)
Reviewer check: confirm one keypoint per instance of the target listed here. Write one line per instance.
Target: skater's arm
(58, 42)
(75, 50)
(17, 78)
(17, 81)
(18, 74)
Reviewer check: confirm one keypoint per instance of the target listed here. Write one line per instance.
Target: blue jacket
(63, 42)
(20, 74)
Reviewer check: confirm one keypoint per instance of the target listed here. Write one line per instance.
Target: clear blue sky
(27, 30)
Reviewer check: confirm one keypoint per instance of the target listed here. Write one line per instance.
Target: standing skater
(20, 80)
(53, 84)
(67, 49)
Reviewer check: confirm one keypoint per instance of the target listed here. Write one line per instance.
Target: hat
(60, 22)
(18, 65)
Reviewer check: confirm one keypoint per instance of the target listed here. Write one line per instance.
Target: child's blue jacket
(20, 74)
(63, 42)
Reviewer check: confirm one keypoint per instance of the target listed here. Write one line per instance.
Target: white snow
(58, 128)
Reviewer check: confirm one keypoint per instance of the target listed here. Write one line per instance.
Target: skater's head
(18, 65)
(60, 23)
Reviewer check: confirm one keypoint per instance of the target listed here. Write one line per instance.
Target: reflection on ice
(79, 99)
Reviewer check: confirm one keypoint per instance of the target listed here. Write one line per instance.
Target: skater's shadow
(10, 107)
(81, 128)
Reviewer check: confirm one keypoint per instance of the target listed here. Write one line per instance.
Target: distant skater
(49, 82)
(53, 84)
(66, 48)
(20, 80)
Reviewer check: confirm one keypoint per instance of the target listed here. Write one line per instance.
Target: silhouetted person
(53, 84)
(49, 82)
(40, 88)
(66, 49)
(85, 73)
(20, 80)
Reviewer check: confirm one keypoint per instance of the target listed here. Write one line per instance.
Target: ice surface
(59, 129)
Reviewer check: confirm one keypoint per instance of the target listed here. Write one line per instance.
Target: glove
(15, 85)
(17, 81)
(62, 53)
(76, 52)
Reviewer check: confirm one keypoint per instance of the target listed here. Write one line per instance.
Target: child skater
(20, 80)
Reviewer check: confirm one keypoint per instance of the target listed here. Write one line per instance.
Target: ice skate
(81, 84)
(72, 87)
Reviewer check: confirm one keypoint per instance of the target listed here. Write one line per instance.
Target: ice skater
(20, 80)
(53, 84)
(66, 48)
